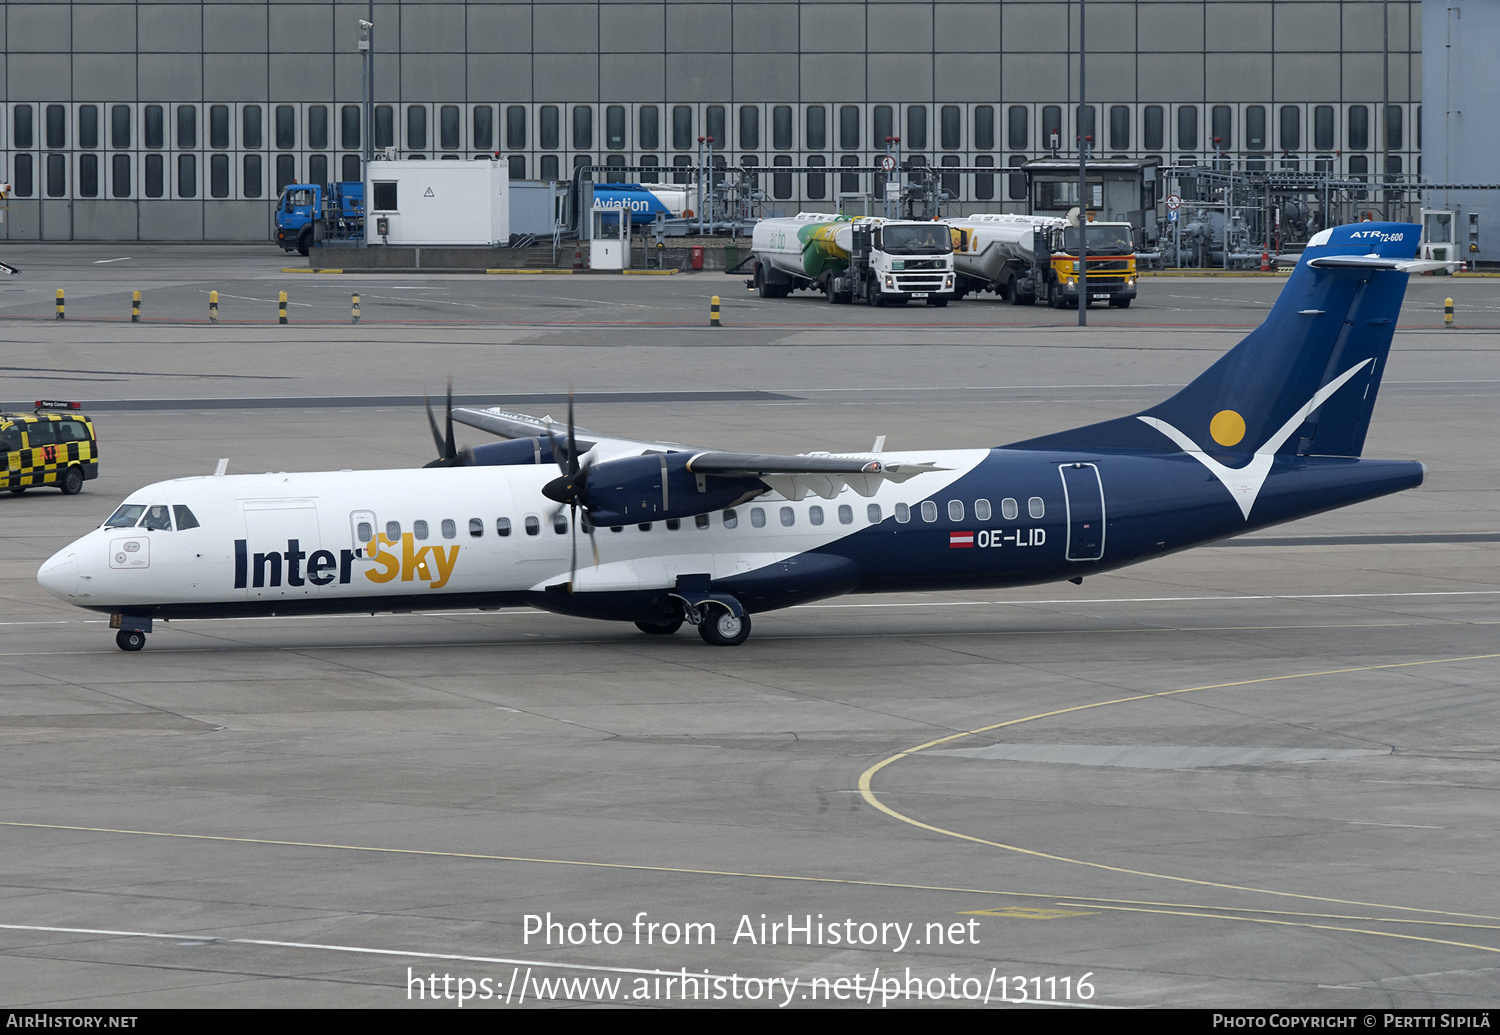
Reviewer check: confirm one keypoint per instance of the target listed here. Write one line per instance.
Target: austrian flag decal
(957, 540)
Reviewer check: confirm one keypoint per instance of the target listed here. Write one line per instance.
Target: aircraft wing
(505, 424)
(820, 474)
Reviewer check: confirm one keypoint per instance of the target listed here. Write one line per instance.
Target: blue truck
(310, 214)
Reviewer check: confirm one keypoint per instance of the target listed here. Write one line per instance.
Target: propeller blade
(572, 438)
(437, 438)
(451, 452)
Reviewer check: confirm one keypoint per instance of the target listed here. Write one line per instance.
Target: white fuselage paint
(321, 511)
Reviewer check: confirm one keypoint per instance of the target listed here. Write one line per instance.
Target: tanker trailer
(874, 260)
(995, 252)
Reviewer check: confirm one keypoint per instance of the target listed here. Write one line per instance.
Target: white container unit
(438, 203)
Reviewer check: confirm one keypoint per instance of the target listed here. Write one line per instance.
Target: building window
(1323, 127)
(154, 132)
(317, 169)
(119, 126)
(450, 131)
(187, 176)
(550, 123)
(1087, 133)
(250, 176)
(155, 176)
(22, 130)
(1223, 127)
(817, 127)
(916, 127)
(885, 122)
(682, 127)
(88, 176)
(88, 126)
(1119, 127)
(1187, 128)
(1153, 127)
(57, 126)
(385, 126)
(251, 137)
(416, 128)
(57, 176)
(648, 126)
(187, 127)
(951, 124)
(1255, 127)
(817, 183)
(119, 176)
(781, 127)
(984, 183)
(849, 127)
(1017, 132)
(984, 127)
(614, 127)
(749, 127)
(349, 127)
(1392, 126)
(286, 127)
(1291, 127)
(350, 171)
(317, 126)
(286, 171)
(1052, 127)
(218, 176)
(218, 126)
(515, 127)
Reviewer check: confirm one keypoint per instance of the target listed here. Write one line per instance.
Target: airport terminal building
(182, 121)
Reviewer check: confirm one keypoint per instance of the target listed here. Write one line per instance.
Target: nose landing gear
(132, 631)
(130, 639)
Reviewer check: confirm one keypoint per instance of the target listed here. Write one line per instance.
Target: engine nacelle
(513, 453)
(658, 486)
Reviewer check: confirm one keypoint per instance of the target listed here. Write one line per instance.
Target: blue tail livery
(662, 535)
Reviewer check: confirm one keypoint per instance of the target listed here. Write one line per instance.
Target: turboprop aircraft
(1271, 432)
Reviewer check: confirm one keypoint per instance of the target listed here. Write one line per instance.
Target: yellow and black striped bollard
(354, 310)
(1447, 312)
(61, 314)
(281, 301)
(713, 312)
(135, 307)
(213, 307)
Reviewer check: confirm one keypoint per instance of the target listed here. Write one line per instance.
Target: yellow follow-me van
(49, 448)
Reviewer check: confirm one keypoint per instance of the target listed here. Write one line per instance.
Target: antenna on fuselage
(223, 466)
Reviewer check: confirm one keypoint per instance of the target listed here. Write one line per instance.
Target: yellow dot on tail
(1227, 428)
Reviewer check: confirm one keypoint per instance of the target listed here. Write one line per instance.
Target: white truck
(868, 259)
(999, 254)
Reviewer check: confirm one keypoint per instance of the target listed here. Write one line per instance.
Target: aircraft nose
(59, 576)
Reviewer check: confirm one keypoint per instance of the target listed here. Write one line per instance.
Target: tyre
(663, 628)
(722, 629)
(1054, 297)
(130, 639)
(1120, 303)
(304, 246)
(18, 489)
(937, 301)
(72, 481)
(830, 293)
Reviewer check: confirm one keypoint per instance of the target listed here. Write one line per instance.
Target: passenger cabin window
(1035, 507)
(533, 525)
(758, 517)
(846, 514)
(815, 515)
(981, 510)
(450, 528)
(419, 529)
(873, 513)
(1009, 510)
(929, 511)
(955, 510)
(788, 517)
(700, 520)
(560, 523)
(673, 524)
(393, 530)
(365, 531)
(184, 516)
(903, 513)
(731, 519)
(476, 527)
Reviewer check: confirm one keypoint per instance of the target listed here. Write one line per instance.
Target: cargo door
(280, 535)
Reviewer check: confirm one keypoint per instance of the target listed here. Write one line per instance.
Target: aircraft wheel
(662, 628)
(130, 639)
(722, 629)
(72, 481)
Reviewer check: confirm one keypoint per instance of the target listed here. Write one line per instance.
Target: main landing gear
(720, 619)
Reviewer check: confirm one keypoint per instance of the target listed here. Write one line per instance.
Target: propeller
(571, 490)
(448, 454)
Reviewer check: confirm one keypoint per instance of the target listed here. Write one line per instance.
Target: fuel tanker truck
(1030, 258)
(866, 258)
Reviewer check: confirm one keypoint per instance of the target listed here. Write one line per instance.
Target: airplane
(1271, 432)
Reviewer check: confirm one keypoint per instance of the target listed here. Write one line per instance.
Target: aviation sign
(1173, 202)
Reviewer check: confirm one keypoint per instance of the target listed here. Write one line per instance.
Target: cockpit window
(157, 518)
(126, 516)
(185, 518)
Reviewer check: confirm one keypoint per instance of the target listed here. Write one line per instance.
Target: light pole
(1083, 185)
(367, 89)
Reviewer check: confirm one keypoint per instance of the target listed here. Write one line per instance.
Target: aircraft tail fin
(1303, 382)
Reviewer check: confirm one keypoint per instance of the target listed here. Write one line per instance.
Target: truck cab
(307, 214)
(895, 262)
(1111, 265)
